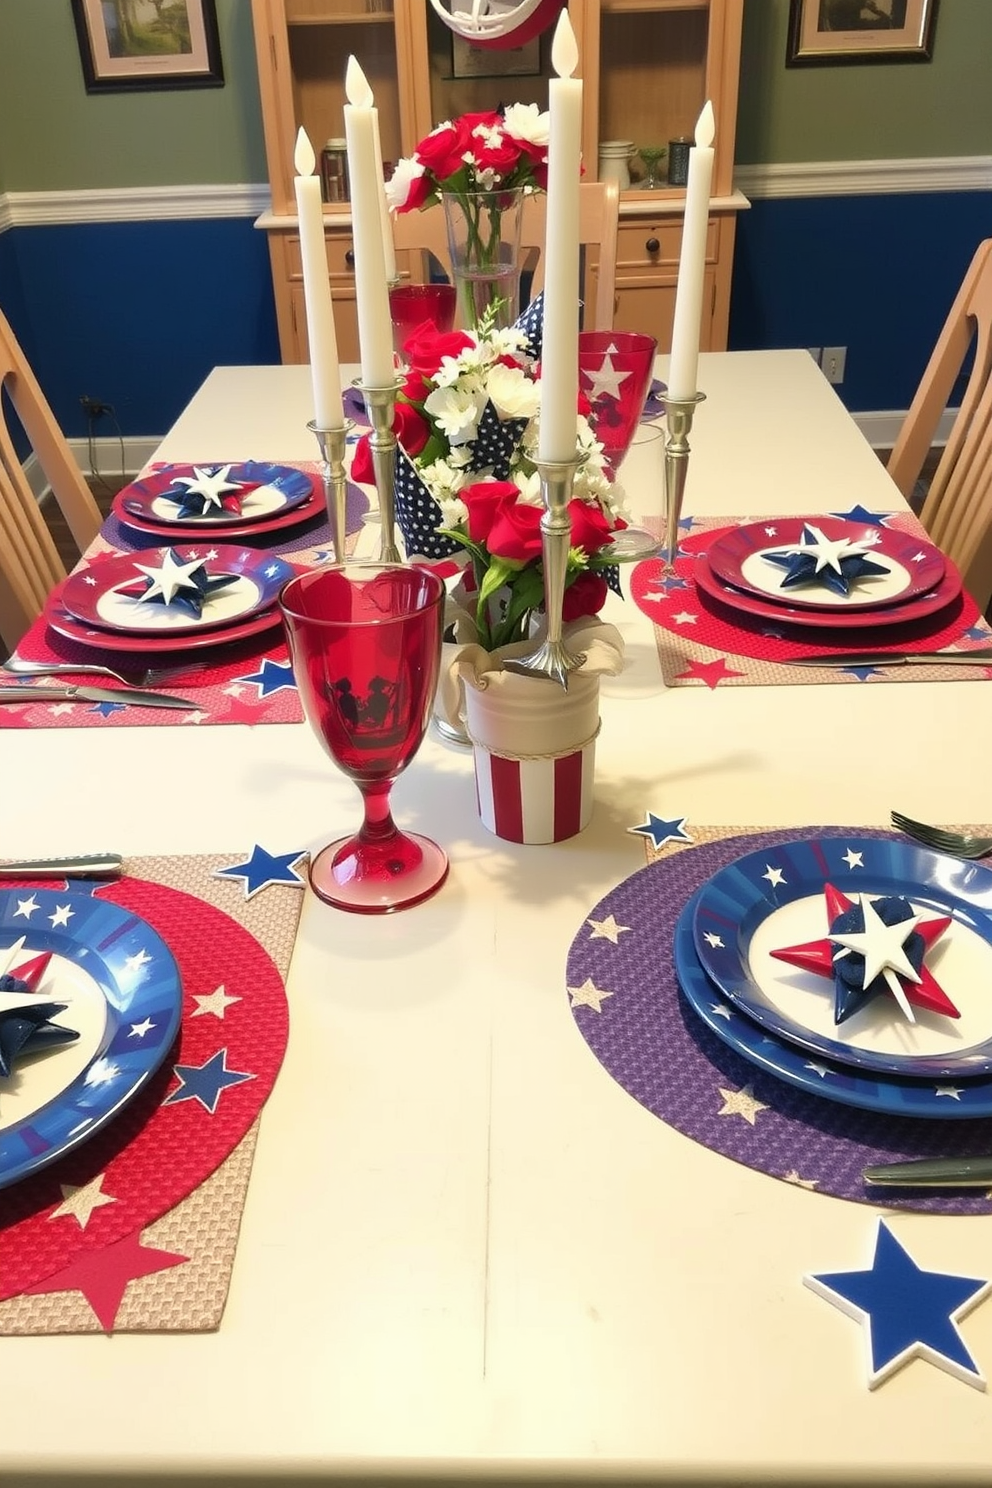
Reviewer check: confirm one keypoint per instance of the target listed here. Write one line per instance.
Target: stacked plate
(782, 1017)
(102, 606)
(914, 580)
(247, 501)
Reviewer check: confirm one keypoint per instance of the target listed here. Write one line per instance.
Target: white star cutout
(775, 876)
(588, 995)
(854, 859)
(136, 962)
(606, 382)
(210, 486)
(168, 578)
(80, 1201)
(138, 1030)
(26, 907)
(721, 1010)
(826, 552)
(214, 1003)
(883, 949)
(740, 1103)
(950, 1090)
(607, 929)
(63, 914)
(712, 939)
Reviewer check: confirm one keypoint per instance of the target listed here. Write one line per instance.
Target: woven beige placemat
(204, 1227)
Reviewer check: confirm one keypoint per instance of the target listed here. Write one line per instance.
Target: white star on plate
(214, 1003)
(853, 859)
(775, 876)
(951, 1090)
(684, 618)
(89, 579)
(713, 939)
(81, 1200)
(740, 1103)
(136, 962)
(138, 1030)
(63, 914)
(721, 1010)
(770, 531)
(818, 1069)
(168, 578)
(26, 907)
(607, 929)
(210, 486)
(588, 995)
(918, 558)
(606, 382)
(883, 947)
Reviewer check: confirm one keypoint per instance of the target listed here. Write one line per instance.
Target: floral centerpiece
(466, 424)
(479, 167)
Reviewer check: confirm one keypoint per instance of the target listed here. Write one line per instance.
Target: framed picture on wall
(825, 31)
(129, 45)
(468, 61)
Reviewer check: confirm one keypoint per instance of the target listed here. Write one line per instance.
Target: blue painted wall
(876, 274)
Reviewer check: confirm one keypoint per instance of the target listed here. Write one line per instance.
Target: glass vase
(483, 230)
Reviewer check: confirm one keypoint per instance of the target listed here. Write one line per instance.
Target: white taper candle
(375, 331)
(692, 262)
(325, 372)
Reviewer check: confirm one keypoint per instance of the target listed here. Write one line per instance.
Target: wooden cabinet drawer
(338, 248)
(648, 244)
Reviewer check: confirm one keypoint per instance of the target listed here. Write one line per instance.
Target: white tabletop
(465, 1249)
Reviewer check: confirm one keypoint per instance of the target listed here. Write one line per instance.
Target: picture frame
(469, 61)
(825, 32)
(139, 45)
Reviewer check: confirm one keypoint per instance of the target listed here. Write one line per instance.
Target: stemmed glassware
(651, 154)
(365, 641)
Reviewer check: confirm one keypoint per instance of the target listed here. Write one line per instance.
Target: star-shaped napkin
(185, 585)
(836, 563)
(206, 491)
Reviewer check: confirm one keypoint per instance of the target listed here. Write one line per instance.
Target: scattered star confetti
(661, 830)
(907, 1313)
(262, 868)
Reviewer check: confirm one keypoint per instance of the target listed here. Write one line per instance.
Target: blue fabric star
(671, 583)
(661, 831)
(271, 677)
(909, 1313)
(862, 514)
(204, 1082)
(262, 868)
(495, 441)
(531, 322)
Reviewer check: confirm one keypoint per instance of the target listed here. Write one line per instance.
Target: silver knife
(980, 657)
(934, 1172)
(77, 694)
(94, 865)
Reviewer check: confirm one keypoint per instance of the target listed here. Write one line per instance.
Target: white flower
(506, 341)
(513, 393)
(400, 183)
(529, 487)
(453, 510)
(490, 135)
(456, 412)
(524, 121)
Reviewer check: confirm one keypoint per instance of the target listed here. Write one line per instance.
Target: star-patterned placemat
(699, 644)
(136, 1230)
(625, 999)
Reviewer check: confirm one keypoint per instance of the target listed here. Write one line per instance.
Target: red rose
(416, 388)
(586, 596)
(590, 529)
(516, 533)
(427, 350)
(361, 465)
(441, 152)
(421, 189)
(410, 427)
(483, 500)
(501, 158)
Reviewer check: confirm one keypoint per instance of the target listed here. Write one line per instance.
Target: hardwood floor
(103, 490)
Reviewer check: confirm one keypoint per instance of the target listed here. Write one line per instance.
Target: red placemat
(136, 1228)
(701, 643)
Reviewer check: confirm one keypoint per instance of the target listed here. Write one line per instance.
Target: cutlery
(74, 694)
(981, 657)
(145, 678)
(95, 865)
(958, 844)
(933, 1172)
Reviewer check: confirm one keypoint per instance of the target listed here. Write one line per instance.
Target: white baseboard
(882, 429)
(105, 457)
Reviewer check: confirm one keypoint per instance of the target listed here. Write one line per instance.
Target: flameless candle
(692, 262)
(560, 349)
(389, 252)
(375, 330)
(325, 373)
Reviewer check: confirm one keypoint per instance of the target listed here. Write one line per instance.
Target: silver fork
(958, 844)
(130, 679)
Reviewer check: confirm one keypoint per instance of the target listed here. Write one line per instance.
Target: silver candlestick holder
(380, 404)
(553, 659)
(679, 413)
(332, 444)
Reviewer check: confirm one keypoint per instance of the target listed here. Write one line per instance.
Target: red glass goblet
(365, 641)
(615, 369)
(414, 305)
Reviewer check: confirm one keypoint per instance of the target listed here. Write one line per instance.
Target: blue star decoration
(817, 560)
(495, 441)
(271, 677)
(105, 709)
(661, 831)
(205, 1082)
(531, 322)
(418, 515)
(262, 868)
(908, 1313)
(861, 513)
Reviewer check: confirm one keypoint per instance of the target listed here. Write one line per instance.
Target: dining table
(467, 1251)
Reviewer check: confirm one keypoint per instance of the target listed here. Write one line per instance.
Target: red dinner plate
(314, 506)
(67, 625)
(914, 565)
(264, 491)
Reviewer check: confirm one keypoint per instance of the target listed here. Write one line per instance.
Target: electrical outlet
(93, 408)
(832, 362)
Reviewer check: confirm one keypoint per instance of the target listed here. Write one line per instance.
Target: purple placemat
(655, 1046)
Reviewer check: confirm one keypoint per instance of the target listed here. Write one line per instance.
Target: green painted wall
(890, 111)
(55, 136)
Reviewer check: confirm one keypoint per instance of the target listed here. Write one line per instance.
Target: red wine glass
(365, 641)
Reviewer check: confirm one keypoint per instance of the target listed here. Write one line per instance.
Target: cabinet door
(647, 303)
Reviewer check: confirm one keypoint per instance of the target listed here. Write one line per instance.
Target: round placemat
(654, 1045)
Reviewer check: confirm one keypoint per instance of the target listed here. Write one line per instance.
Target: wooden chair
(957, 512)
(423, 233)
(30, 565)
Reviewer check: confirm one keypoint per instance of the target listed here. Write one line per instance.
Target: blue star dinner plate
(266, 490)
(774, 898)
(124, 998)
(891, 1095)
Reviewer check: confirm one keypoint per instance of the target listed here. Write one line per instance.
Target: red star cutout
(103, 1275)
(710, 672)
(32, 971)
(817, 956)
(242, 709)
